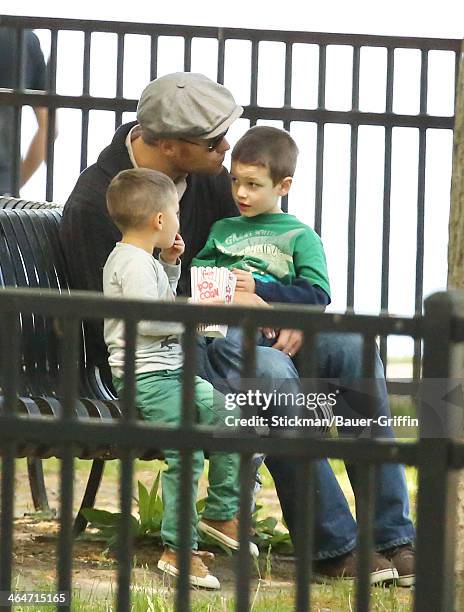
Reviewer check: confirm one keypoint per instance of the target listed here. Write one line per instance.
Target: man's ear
(167, 146)
(284, 185)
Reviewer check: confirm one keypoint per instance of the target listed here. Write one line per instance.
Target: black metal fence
(441, 329)
(436, 456)
(320, 115)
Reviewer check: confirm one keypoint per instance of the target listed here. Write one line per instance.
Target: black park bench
(31, 256)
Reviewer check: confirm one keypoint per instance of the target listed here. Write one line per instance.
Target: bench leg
(37, 484)
(93, 483)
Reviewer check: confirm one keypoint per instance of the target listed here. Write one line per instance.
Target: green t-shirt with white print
(275, 246)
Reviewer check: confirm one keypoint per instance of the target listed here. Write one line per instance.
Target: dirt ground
(35, 559)
(35, 541)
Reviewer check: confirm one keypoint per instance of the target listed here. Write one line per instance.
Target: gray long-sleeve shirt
(131, 272)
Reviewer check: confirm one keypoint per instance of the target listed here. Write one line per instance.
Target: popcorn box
(207, 283)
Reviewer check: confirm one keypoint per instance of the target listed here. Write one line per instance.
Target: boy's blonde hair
(270, 147)
(134, 195)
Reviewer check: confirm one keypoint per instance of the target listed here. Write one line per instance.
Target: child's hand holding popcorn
(246, 284)
(245, 281)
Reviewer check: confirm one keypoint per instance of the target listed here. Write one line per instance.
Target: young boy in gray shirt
(144, 205)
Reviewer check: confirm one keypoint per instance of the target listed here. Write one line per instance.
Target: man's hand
(245, 281)
(289, 341)
(171, 255)
(268, 332)
(251, 299)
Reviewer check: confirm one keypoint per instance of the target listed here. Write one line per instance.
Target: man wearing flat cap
(181, 126)
(182, 119)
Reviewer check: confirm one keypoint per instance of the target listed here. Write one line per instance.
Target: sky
(404, 18)
(396, 17)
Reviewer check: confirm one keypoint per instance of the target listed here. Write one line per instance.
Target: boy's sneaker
(345, 568)
(225, 532)
(403, 558)
(199, 573)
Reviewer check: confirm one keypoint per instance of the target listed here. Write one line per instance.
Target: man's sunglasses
(211, 144)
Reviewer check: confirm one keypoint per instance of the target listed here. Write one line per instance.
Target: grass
(270, 593)
(324, 598)
(147, 596)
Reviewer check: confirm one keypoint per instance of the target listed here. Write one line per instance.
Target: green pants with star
(159, 399)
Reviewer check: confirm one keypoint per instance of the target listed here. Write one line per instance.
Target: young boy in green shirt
(273, 254)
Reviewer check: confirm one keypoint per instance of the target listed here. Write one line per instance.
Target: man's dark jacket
(88, 234)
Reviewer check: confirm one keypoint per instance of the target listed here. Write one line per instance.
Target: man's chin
(220, 168)
(215, 170)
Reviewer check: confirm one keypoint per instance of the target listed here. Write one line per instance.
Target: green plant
(150, 509)
(150, 506)
(266, 533)
(150, 515)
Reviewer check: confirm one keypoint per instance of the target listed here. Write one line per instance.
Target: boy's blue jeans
(339, 356)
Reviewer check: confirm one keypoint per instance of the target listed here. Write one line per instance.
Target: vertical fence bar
(305, 493)
(436, 528)
(387, 198)
(125, 536)
(69, 381)
(437, 491)
(10, 384)
(242, 586)
(20, 73)
(19, 84)
(254, 77)
(187, 53)
(304, 530)
(186, 469)
(51, 126)
(249, 353)
(7, 508)
(287, 98)
(365, 520)
(221, 56)
(16, 155)
(420, 210)
(85, 92)
(119, 79)
(153, 56)
(11, 334)
(128, 395)
(353, 184)
(320, 141)
(369, 356)
(288, 75)
(125, 544)
(365, 485)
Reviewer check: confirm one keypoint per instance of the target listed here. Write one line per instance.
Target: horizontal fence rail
(436, 459)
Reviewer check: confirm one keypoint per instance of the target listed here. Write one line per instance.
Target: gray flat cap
(186, 104)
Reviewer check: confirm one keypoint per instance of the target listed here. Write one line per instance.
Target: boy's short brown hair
(136, 194)
(268, 146)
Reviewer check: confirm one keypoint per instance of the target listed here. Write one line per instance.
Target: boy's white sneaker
(199, 573)
(225, 532)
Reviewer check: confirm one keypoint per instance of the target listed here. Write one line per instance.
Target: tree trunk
(456, 222)
(456, 281)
